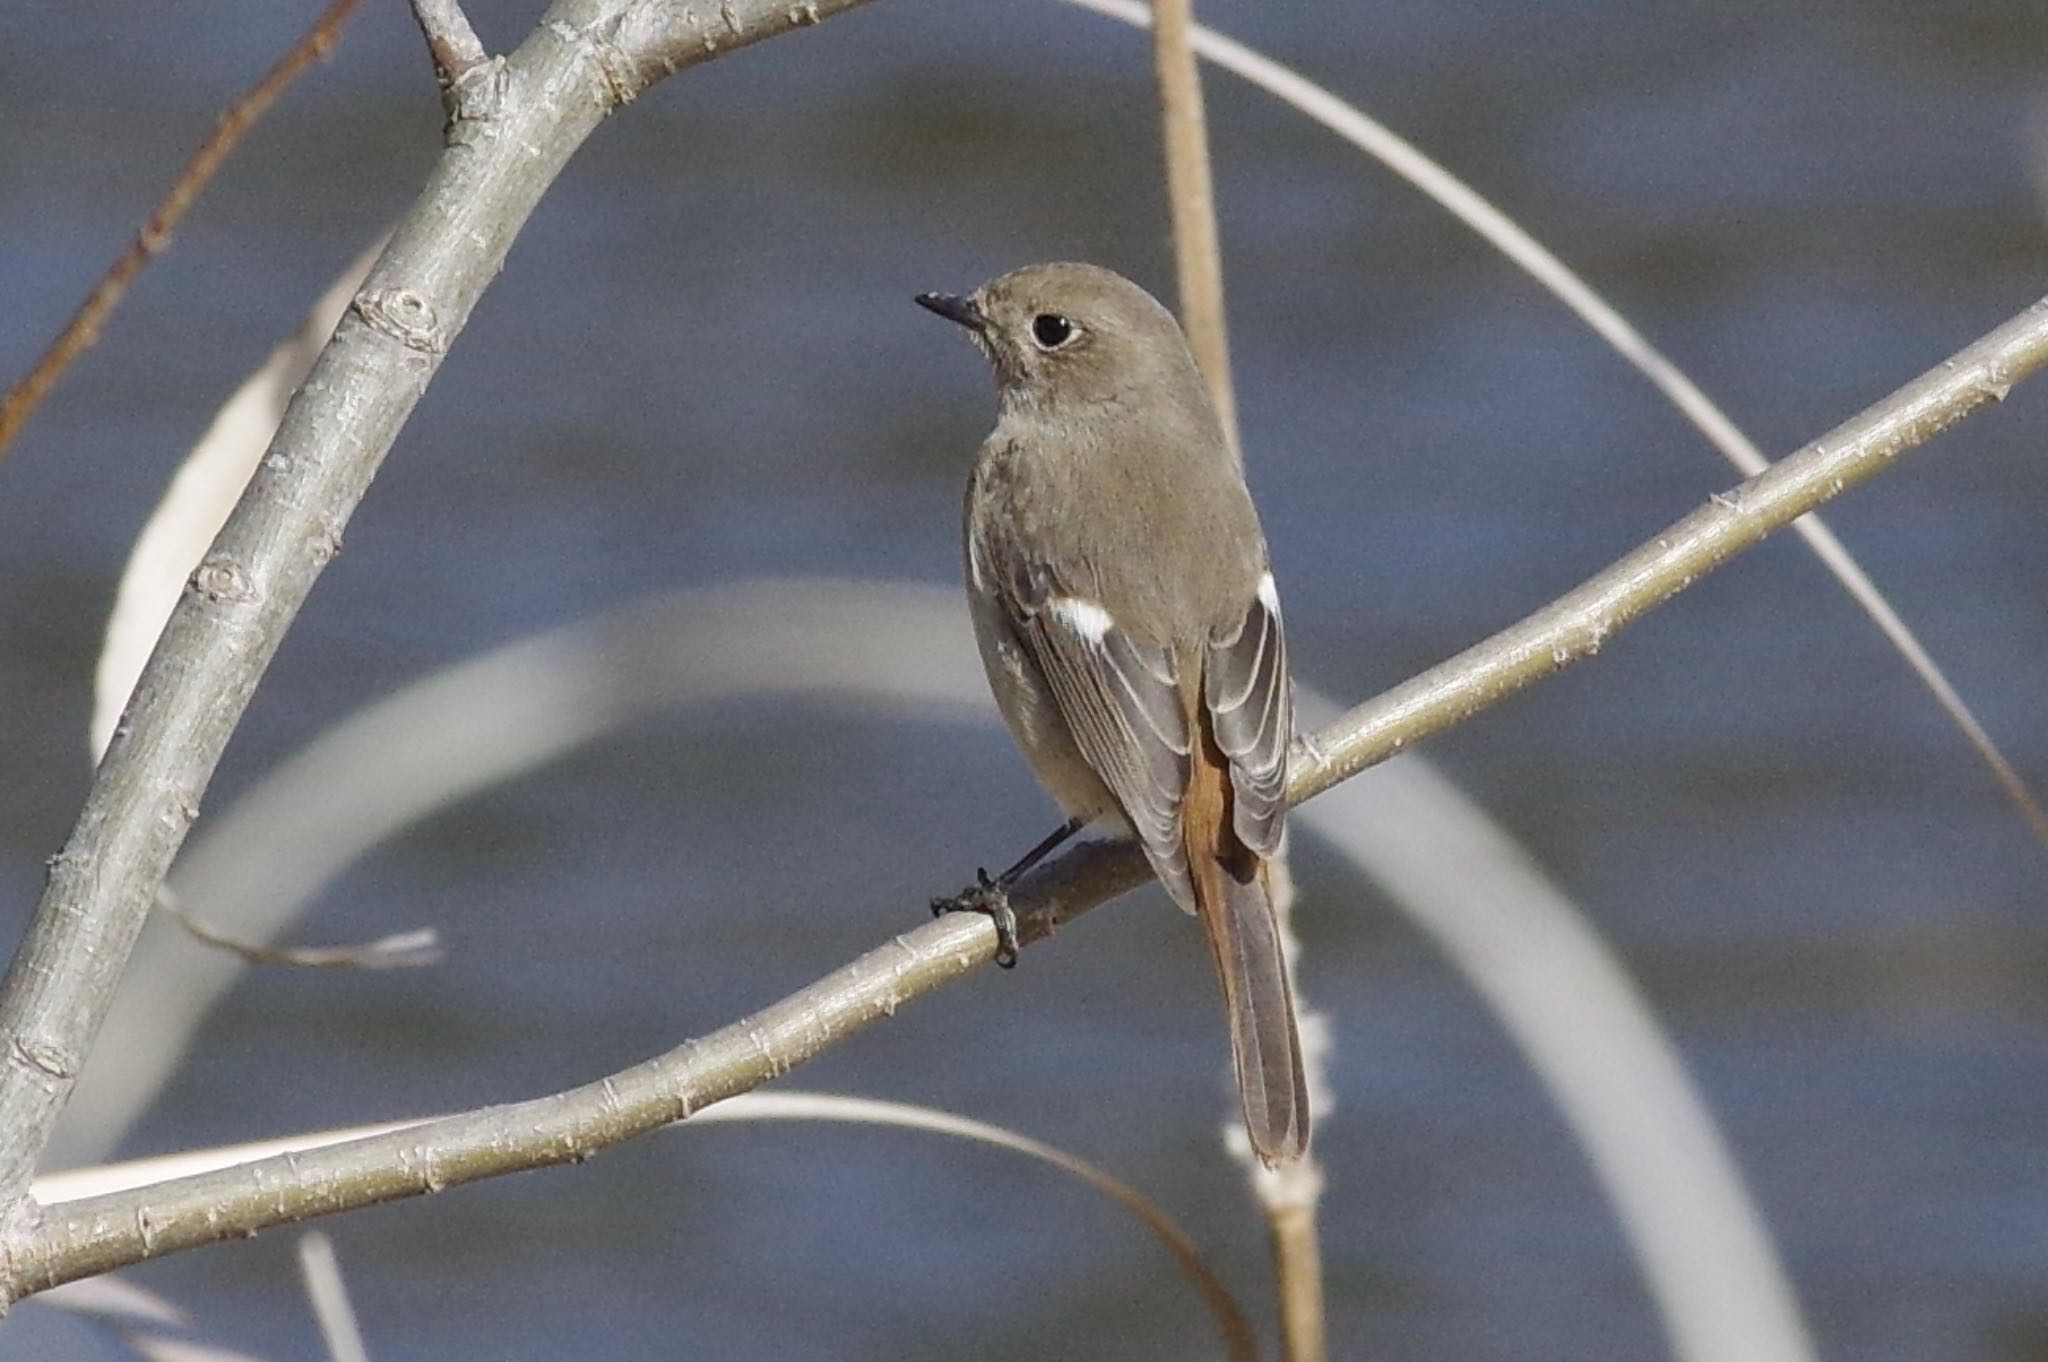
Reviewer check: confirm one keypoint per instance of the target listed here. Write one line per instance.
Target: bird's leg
(992, 896)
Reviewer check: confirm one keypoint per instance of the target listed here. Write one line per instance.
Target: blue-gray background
(700, 365)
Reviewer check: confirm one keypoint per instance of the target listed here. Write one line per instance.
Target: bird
(1123, 601)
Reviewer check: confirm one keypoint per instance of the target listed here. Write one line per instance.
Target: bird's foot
(990, 897)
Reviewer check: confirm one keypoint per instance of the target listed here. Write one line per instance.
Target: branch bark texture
(585, 58)
(96, 1234)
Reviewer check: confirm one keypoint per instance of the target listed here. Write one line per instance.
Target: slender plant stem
(82, 332)
(1191, 197)
(451, 42)
(1287, 1200)
(1462, 202)
(1298, 1262)
(74, 1239)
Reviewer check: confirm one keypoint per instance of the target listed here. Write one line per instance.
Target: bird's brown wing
(1176, 760)
(1251, 704)
(1120, 697)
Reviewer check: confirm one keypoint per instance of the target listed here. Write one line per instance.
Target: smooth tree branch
(79, 1238)
(586, 58)
(82, 332)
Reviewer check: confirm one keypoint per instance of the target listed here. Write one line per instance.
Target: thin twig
(452, 42)
(75, 1239)
(1530, 954)
(83, 331)
(414, 949)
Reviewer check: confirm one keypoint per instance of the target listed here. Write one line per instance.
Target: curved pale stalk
(204, 490)
(1582, 1025)
(902, 648)
(1239, 1342)
(327, 1290)
(148, 1326)
(1462, 202)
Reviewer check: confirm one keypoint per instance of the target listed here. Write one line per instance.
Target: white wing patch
(1084, 617)
(1269, 594)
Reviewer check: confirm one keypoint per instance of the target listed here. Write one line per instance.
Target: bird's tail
(1237, 915)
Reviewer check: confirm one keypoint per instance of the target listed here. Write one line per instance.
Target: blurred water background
(701, 365)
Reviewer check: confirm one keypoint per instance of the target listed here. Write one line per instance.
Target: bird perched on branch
(1125, 608)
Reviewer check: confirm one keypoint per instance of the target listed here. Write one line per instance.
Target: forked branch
(586, 58)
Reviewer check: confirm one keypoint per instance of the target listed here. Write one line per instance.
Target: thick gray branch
(95, 1234)
(585, 58)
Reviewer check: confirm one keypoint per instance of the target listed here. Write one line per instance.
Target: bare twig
(83, 330)
(96, 1234)
(453, 43)
(414, 949)
(584, 59)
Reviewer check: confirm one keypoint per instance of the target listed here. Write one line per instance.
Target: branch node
(48, 1060)
(615, 68)
(476, 95)
(404, 316)
(222, 580)
(611, 52)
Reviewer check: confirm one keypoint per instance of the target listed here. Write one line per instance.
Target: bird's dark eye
(1051, 330)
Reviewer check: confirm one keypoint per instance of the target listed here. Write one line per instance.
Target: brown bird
(1124, 605)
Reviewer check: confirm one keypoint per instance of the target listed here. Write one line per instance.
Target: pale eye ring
(1050, 331)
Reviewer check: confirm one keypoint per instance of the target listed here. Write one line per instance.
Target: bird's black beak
(954, 308)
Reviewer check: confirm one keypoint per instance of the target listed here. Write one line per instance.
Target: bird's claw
(991, 898)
